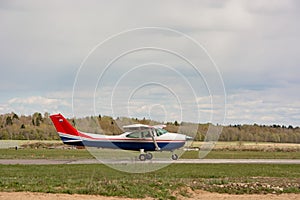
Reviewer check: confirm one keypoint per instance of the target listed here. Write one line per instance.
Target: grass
(12, 143)
(221, 144)
(222, 150)
(220, 154)
(84, 154)
(45, 154)
(162, 184)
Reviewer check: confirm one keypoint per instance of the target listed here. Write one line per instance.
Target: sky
(219, 61)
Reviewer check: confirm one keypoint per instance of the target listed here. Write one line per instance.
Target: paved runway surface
(191, 161)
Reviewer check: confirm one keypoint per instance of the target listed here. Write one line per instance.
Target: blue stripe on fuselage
(126, 145)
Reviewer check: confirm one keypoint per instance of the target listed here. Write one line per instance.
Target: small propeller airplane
(138, 137)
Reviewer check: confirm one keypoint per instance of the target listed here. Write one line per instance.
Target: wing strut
(154, 140)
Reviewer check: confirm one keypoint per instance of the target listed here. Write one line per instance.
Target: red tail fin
(62, 125)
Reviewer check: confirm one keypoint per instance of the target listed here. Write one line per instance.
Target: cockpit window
(142, 134)
(134, 135)
(160, 131)
(146, 134)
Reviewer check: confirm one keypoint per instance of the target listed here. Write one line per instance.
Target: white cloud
(262, 107)
(255, 44)
(31, 104)
(265, 7)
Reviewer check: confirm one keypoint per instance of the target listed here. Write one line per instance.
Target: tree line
(39, 127)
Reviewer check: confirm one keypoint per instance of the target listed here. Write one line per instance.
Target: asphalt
(186, 161)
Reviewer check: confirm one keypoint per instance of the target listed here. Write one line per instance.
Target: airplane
(138, 137)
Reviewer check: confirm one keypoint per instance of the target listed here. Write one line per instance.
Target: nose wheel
(174, 157)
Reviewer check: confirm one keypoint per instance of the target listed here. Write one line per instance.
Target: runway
(180, 161)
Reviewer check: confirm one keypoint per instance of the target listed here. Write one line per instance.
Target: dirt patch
(50, 196)
(253, 185)
(198, 194)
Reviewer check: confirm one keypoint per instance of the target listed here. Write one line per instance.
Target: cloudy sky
(53, 51)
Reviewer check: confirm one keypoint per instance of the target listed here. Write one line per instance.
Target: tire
(142, 157)
(174, 157)
(149, 156)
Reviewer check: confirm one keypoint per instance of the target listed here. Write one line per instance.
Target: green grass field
(162, 184)
(84, 154)
(45, 154)
(241, 144)
(167, 183)
(220, 154)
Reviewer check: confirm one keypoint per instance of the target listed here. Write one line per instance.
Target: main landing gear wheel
(149, 156)
(174, 157)
(142, 157)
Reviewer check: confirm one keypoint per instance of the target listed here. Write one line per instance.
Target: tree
(46, 115)
(290, 127)
(37, 122)
(38, 119)
(4, 135)
(15, 116)
(8, 121)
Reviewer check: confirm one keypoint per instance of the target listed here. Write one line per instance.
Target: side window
(146, 134)
(134, 135)
(143, 134)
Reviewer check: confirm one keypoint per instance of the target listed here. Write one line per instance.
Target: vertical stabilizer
(63, 126)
